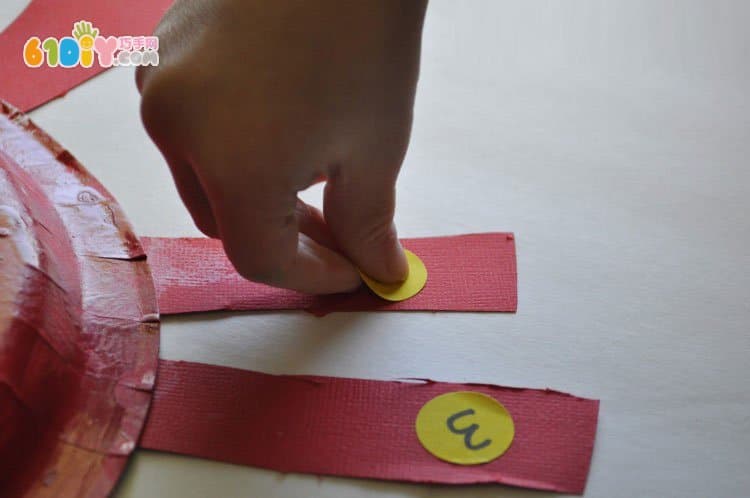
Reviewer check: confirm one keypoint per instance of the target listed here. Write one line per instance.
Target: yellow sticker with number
(466, 428)
(403, 290)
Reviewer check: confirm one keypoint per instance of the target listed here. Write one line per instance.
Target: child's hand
(255, 100)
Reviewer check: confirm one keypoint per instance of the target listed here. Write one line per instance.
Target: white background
(613, 138)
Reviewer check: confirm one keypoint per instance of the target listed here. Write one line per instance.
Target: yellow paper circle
(404, 290)
(466, 428)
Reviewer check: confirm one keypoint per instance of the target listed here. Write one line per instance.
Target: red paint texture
(27, 88)
(359, 428)
(78, 337)
(465, 273)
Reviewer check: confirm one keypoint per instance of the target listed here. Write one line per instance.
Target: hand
(253, 101)
(83, 29)
(85, 33)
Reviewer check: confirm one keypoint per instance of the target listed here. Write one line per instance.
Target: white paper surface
(613, 139)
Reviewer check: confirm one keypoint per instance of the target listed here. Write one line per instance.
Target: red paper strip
(359, 428)
(465, 273)
(27, 88)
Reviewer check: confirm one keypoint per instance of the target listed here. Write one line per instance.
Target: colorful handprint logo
(85, 33)
(79, 49)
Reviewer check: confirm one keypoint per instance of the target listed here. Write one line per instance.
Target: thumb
(359, 208)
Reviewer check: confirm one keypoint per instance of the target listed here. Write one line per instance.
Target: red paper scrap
(359, 428)
(27, 88)
(465, 273)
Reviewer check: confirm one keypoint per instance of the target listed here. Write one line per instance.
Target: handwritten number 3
(468, 432)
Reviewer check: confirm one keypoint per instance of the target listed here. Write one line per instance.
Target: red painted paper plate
(79, 329)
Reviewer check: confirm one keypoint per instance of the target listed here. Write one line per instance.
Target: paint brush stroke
(359, 428)
(474, 272)
(27, 88)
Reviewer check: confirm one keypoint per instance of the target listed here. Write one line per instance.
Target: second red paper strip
(359, 428)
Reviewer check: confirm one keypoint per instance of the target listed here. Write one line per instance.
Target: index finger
(259, 227)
